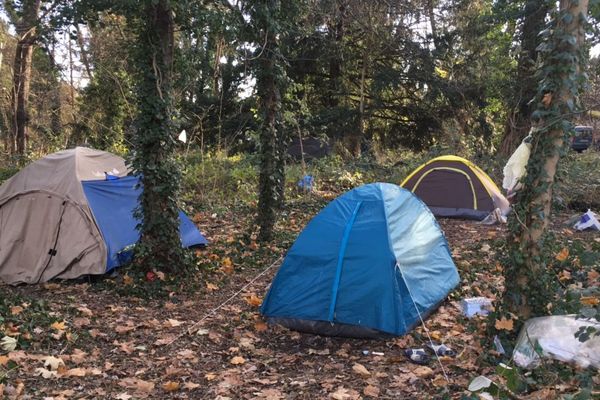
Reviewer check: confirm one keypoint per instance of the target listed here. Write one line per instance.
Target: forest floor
(105, 339)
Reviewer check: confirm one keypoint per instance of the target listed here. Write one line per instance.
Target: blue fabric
(112, 203)
(393, 233)
(306, 183)
(340, 262)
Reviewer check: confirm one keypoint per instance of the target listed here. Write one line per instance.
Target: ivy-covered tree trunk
(519, 120)
(154, 140)
(25, 28)
(529, 286)
(269, 76)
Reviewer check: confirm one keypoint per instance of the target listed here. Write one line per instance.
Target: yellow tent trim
(478, 171)
(454, 170)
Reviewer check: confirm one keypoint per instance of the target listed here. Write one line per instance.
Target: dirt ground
(99, 343)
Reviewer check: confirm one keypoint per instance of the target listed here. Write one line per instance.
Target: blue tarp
(112, 203)
(356, 261)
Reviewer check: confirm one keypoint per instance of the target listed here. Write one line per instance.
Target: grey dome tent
(55, 224)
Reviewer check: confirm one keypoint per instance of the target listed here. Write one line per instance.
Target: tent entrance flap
(338, 271)
(452, 170)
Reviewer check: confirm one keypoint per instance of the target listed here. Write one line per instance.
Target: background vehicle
(583, 138)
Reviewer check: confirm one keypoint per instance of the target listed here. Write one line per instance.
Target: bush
(578, 181)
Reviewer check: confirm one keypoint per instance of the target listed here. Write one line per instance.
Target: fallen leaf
(592, 277)
(85, 311)
(211, 287)
(439, 381)
(272, 394)
(191, 385)
(16, 310)
(127, 280)
(504, 324)
(136, 384)
(562, 255)
(121, 329)
(3, 361)
(80, 322)
(371, 390)
(173, 323)
(564, 275)
(260, 326)
(8, 343)
(210, 376)
(58, 325)
(78, 356)
(237, 360)
(423, 372)
(344, 394)
(170, 386)
(45, 373)
(79, 372)
(253, 300)
(53, 363)
(123, 396)
(360, 370)
(227, 266)
(590, 301)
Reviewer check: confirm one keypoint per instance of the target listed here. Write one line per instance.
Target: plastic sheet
(554, 337)
(515, 168)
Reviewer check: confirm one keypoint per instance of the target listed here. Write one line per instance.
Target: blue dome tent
(368, 265)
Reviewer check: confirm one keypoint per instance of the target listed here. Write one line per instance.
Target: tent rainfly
(370, 264)
(454, 187)
(70, 214)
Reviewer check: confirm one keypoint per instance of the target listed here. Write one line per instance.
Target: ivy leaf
(588, 312)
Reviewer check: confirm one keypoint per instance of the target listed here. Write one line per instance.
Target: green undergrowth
(578, 181)
(27, 320)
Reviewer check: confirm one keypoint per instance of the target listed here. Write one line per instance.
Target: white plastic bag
(515, 168)
(555, 337)
(588, 221)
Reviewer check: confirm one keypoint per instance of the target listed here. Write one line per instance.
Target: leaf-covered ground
(105, 340)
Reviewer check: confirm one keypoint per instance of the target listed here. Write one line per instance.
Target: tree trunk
(154, 141)
(355, 137)
(528, 283)
(434, 34)
(336, 59)
(26, 38)
(271, 174)
(84, 54)
(518, 122)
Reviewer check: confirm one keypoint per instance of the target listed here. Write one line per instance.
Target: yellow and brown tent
(454, 187)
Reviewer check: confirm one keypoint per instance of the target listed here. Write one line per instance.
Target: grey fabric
(327, 328)
(466, 213)
(47, 229)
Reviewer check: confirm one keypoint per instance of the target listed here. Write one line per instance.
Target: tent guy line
(425, 329)
(191, 329)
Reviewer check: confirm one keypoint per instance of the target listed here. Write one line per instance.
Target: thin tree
(269, 76)
(25, 21)
(154, 140)
(529, 286)
(518, 122)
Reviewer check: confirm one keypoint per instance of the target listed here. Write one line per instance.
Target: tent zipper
(342, 252)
